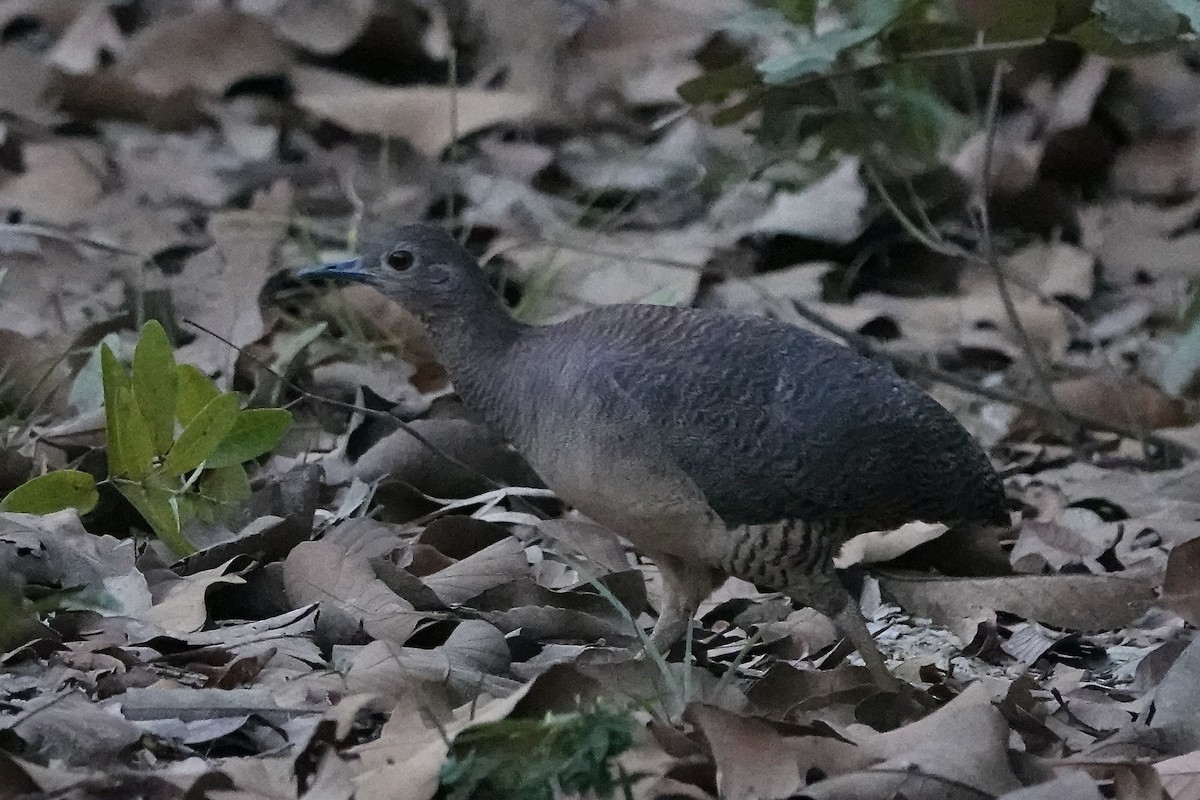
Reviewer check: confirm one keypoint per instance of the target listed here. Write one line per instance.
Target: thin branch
(991, 121)
(864, 345)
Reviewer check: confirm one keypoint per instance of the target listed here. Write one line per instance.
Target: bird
(717, 444)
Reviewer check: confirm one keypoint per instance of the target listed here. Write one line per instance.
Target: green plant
(537, 759)
(176, 445)
(856, 76)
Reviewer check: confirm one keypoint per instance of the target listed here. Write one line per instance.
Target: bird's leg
(685, 585)
(824, 592)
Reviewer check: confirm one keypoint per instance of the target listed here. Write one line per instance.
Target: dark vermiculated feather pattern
(772, 422)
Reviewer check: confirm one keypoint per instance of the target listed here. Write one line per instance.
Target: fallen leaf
(352, 599)
(1076, 602)
(430, 118)
(208, 51)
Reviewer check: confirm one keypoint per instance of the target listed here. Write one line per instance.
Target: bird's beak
(351, 270)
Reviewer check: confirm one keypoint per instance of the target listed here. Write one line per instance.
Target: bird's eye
(399, 260)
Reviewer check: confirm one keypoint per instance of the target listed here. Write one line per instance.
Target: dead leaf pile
(385, 620)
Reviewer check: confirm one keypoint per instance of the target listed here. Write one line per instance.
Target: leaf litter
(376, 620)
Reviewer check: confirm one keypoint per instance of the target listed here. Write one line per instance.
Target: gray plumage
(718, 444)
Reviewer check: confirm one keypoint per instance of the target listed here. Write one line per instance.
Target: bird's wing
(772, 422)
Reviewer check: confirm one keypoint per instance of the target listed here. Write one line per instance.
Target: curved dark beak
(351, 270)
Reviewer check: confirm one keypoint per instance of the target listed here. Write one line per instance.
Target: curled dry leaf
(499, 563)
(471, 661)
(182, 609)
(1181, 583)
(352, 599)
(958, 751)
(756, 758)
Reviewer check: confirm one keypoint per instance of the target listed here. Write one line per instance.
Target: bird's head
(420, 266)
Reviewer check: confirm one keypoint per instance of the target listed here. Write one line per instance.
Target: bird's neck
(475, 345)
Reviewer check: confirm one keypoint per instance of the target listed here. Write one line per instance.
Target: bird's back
(769, 421)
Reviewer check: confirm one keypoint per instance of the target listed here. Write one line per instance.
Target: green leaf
(156, 384)
(1189, 10)
(133, 435)
(801, 12)
(112, 379)
(818, 54)
(256, 431)
(203, 434)
(1094, 37)
(159, 509)
(225, 485)
(717, 84)
(195, 392)
(1137, 21)
(220, 490)
(54, 491)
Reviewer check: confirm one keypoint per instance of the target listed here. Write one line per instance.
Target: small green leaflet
(203, 434)
(156, 384)
(54, 491)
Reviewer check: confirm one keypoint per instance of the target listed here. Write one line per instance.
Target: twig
(863, 345)
(991, 123)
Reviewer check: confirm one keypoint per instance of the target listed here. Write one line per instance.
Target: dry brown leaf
(470, 662)
(1134, 239)
(878, 546)
(405, 772)
(1181, 583)
(33, 376)
(759, 759)
(59, 184)
(641, 49)
(1076, 602)
(500, 563)
(54, 289)
(958, 751)
(428, 117)
(943, 323)
(1074, 785)
(55, 549)
(219, 288)
(1162, 166)
(25, 78)
(1181, 776)
(92, 37)
(326, 27)
(580, 272)
(209, 51)
(1122, 402)
(522, 39)
(352, 599)
(1057, 269)
(73, 730)
(182, 609)
(832, 209)
(1075, 536)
